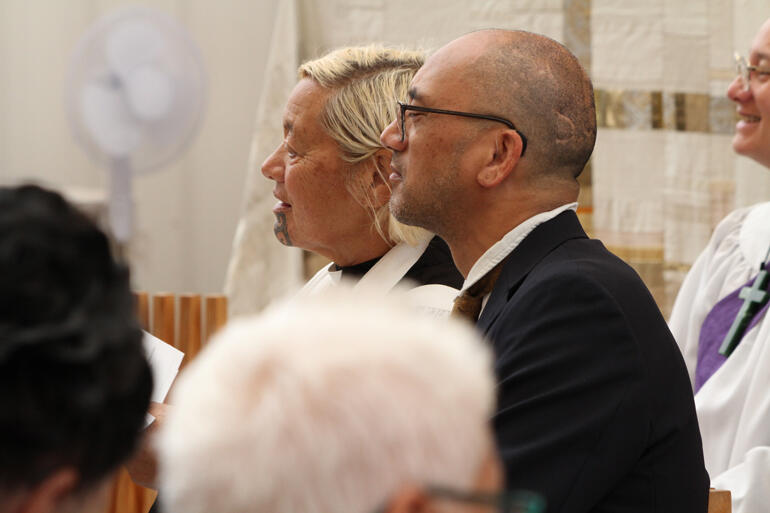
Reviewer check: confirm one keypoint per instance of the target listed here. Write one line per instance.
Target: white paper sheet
(164, 361)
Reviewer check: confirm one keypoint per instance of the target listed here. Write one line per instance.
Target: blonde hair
(366, 82)
(331, 414)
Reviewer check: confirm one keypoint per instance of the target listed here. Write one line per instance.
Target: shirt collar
(354, 271)
(505, 246)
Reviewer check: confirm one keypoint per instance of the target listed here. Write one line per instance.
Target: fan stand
(121, 205)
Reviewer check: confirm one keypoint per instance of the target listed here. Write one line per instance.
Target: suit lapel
(542, 240)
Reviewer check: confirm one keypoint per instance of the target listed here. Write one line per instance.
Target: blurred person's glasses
(518, 501)
(405, 107)
(744, 70)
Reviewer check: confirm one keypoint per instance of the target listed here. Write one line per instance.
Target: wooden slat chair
(720, 501)
(171, 315)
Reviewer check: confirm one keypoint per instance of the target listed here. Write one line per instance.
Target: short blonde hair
(331, 414)
(366, 82)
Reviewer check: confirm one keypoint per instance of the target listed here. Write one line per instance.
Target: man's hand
(143, 467)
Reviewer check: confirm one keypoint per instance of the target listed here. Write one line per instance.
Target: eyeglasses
(518, 501)
(405, 107)
(744, 71)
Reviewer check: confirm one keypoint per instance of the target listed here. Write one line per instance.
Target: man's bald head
(541, 87)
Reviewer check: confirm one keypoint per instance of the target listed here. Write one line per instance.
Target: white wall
(186, 213)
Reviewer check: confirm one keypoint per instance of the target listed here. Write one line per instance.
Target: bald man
(595, 408)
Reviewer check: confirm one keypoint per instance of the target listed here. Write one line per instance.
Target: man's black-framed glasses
(406, 106)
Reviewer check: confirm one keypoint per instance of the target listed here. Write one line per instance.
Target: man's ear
(49, 494)
(408, 499)
(380, 173)
(506, 156)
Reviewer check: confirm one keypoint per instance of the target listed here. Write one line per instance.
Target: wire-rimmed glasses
(744, 70)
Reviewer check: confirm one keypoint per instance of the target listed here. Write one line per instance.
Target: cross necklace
(754, 298)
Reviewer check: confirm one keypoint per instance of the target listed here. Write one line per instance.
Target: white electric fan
(135, 95)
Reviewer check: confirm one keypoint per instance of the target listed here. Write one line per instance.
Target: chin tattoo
(281, 230)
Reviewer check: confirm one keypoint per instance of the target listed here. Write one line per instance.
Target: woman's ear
(380, 173)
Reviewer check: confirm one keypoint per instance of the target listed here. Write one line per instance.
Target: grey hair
(333, 413)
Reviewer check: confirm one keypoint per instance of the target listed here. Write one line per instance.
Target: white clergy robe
(734, 404)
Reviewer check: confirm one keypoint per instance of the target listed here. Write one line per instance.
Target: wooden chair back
(186, 322)
(720, 501)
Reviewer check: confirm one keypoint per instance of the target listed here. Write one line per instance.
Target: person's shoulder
(586, 260)
(579, 270)
(585, 270)
(734, 220)
(740, 237)
(755, 233)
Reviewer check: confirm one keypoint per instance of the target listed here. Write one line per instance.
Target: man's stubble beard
(428, 211)
(434, 208)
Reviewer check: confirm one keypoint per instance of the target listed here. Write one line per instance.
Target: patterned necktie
(715, 328)
(468, 304)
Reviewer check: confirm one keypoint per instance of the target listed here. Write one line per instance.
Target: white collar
(382, 277)
(505, 246)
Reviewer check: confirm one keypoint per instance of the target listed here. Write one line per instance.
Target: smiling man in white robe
(720, 317)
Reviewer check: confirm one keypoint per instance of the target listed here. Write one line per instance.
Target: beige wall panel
(721, 36)
(748, 16)
(686, 63)
(628, 174)
(35, 42)
(627, 49)
(686, 18)
(428, 23)
(698, 192)
(752, 182)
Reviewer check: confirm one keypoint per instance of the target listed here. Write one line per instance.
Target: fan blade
(107, 118)
(133, 43)
(150, 93)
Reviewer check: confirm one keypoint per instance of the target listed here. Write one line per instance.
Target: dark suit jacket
(595, 409)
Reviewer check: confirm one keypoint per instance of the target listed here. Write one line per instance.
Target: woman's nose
(272, 167)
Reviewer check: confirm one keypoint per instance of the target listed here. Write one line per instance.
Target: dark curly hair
(74, 380)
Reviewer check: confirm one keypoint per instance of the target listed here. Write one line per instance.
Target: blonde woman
(331, 177)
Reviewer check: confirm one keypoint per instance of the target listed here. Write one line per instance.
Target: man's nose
(391, 137)
(737, 90)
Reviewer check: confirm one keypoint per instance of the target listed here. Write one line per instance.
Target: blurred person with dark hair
(74, 380)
